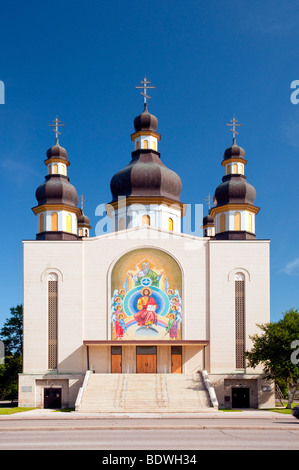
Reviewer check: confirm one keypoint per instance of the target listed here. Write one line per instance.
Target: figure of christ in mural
(146, 276)
(147, 309)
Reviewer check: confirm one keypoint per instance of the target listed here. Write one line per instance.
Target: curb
(150, 427)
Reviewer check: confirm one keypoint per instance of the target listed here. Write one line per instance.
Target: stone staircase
(144, 393)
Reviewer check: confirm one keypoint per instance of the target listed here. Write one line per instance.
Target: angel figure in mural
(120, 325)
(147, 307)
(146, 276)
(172, 327)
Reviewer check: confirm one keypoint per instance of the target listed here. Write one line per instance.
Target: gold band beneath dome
(144, 200)
(57, 160)
(56, 207)
(137, 134)
(234, 160)
(234, 207)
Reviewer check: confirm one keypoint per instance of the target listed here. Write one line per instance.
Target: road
(222, 431)
(205, 439)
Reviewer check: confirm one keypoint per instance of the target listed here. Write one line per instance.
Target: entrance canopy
(145, 342)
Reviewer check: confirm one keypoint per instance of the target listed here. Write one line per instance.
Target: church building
(146, 317)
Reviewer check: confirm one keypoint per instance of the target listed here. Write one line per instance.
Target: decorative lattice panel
(52, 323)
(240, 323)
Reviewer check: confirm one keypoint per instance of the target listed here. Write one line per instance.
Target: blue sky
(209, 60)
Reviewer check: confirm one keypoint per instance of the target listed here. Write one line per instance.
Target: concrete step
(144, 393)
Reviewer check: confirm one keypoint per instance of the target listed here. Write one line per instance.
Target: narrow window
(137, 145)
(170, 224)
(54, 222)
(63, 170)
(154, 145)
(240, 320)
(235, 168)
(52, 321)
(145, 144)
(146, 220)
(222, 223)
(55, 169)
(237, 221)
(250, 223)
(41, 222)
(69, 223)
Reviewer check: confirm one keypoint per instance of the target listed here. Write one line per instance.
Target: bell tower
(57, 198)
(146, 192)
(234, 210)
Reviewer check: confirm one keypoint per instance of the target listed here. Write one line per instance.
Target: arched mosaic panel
(146, 302)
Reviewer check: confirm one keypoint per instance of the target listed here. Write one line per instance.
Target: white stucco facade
(83, 270)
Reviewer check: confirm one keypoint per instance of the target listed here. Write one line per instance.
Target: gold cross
(209, 200)
(234, 124)
(145, 86)
(56, 124)
(82, 200)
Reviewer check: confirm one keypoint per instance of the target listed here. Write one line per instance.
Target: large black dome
(234, 190)
(146, 175)
(57, 190)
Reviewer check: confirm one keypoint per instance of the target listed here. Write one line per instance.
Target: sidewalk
(42, 419)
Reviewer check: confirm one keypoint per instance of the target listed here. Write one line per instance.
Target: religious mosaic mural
(146, 303)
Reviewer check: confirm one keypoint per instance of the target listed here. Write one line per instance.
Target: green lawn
(12, 410)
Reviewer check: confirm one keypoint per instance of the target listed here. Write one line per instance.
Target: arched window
(242, 170)
(237, 221)
(170, 224)
(145, 144)
(235, 168)
(63, 172)
(69, 223)
(55, 169)
(222, 223)
(137, 145)
(52, 321)
(146, 220)
(41, 222)
(154, 145)
(250, 223)
(54, 222)
(240, 320)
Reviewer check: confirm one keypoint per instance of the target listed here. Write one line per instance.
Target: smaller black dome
(57, 152)
(83, 220)
(146, 121)
(208, 219)
(234, 152)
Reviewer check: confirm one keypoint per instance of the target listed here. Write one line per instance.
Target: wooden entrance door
(116, 360)
(146, 360)
(176, 359)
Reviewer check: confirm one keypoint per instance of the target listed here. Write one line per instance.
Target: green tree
(12, 332)
(275, 350)
(12, 336)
